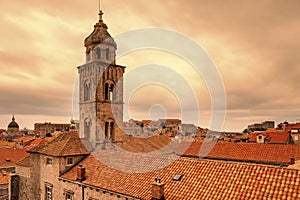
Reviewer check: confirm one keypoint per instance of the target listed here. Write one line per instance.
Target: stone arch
(109, 129)
(87, 90)
(98, 53)
(109, 87)
(87, 128)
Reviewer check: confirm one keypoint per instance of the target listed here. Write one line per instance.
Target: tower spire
(100, 11)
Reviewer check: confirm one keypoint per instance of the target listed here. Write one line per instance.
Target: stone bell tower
(101, 88)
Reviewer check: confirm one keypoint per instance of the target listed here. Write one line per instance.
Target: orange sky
(255, 46)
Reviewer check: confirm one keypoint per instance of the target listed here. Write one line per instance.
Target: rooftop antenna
(100, 11)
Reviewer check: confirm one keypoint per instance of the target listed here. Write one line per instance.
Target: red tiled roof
(24, 162)
(202, 179)
(65, 145)
(137, 144)
(9, 156)
(39, 142)
(251, 152)
(273, 137)
(24, 139)
(7, 144)
(293, 126)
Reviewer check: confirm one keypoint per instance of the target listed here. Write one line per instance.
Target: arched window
(106, 130)
(86, 91)
(108, 91)
(87, 129)
(107, 53)
(112, 131)
(98, 53)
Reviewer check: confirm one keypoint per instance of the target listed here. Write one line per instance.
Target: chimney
(157, 190)
(292, 160)
(80, 173)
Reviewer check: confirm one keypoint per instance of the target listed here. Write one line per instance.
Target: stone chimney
(80, 173)
(157, 190)
(292, 160)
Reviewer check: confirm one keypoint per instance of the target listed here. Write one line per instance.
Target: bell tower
(101, 88)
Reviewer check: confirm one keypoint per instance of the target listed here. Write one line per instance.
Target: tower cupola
(100, 35)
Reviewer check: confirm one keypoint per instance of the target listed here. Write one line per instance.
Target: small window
(98, 53)
(69, 196)
(69, 161)
(177, 177)
(49, 161)
(259, 137)
(107, 54)
(48, 192)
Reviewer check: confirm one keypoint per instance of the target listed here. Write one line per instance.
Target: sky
(254, 45)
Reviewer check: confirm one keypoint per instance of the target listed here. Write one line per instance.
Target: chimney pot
(157, 190)
(292, 160)
(80, 173)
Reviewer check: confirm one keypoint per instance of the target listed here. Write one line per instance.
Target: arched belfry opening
(109, 130)
(109, 91)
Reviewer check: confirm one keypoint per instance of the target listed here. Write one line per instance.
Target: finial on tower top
(100, 15)
(100, 11)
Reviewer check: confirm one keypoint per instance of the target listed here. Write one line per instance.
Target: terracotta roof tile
(202, 179)
(7, 144)
(38, 142)
(24, 162)
(148, 144)
(9, 156)
(273, 137)
(251, 152)
(65, 145)
(24, 139)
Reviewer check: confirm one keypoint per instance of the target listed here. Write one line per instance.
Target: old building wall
(3, 191)
(35, 171)
(25, 184)
(23, 171)
(63, 162)
(89, 192)
(49, 174)
(25, 188)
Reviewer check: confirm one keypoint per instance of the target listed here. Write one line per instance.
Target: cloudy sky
(254, 45)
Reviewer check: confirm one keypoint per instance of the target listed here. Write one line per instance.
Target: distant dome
(98, 36)
(13, 124)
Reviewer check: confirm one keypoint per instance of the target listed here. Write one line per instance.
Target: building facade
(48, 127)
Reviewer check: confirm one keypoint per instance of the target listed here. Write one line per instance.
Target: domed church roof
(99, 35)
(13, 124)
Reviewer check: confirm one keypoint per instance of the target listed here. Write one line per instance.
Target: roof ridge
(63, 147)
